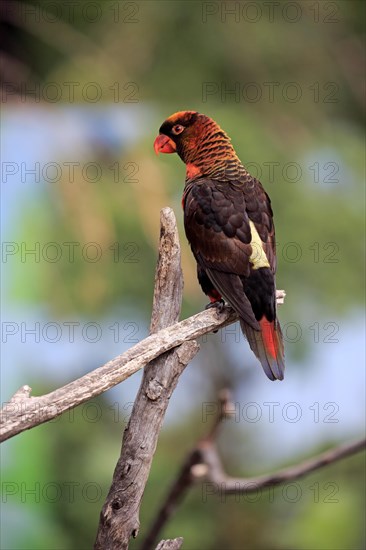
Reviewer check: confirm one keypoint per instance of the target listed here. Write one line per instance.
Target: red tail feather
(267, 345)
(268, 333)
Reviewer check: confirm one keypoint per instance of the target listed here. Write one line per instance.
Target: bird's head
(194, 137)
(178, 132)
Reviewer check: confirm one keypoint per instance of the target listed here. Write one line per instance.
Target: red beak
(163, 144)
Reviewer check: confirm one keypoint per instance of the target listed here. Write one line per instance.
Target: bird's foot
(219, 305)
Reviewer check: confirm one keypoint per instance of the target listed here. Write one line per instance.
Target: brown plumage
(228, 221)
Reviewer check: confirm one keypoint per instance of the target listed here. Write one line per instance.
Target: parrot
(228, 221)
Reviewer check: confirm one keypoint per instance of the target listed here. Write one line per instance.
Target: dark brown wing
(259, 210)
(218, 228)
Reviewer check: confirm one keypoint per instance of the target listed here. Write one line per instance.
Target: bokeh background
(85, 87)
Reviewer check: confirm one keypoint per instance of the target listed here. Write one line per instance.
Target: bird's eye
(177, 129)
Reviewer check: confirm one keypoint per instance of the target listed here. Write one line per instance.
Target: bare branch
(231, 485)
(119, 519)
(23, 412)
(170, 544)
(204, 464)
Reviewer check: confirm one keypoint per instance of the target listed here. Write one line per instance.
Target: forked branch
(203, 465)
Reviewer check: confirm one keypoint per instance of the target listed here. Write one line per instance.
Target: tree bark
(119, 518)
(170, 544)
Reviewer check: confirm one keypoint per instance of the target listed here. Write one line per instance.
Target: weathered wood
(23, 411)
(170, 544)
(119, 519)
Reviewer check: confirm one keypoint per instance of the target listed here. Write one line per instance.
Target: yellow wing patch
(258, 257)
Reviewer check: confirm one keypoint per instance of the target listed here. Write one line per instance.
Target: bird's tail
(267, 345)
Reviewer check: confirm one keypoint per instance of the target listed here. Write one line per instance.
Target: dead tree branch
(23, 412)
(119, 519)
(231, 485)
(170, 544)
(203, 464)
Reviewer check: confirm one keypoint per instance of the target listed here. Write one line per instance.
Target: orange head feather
(200, 142)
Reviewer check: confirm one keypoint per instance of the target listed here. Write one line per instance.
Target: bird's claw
(219, 305)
